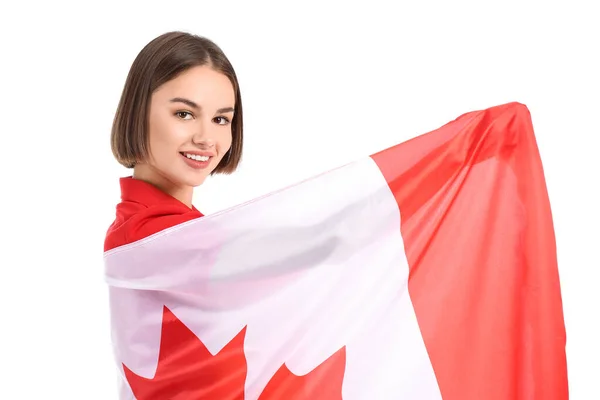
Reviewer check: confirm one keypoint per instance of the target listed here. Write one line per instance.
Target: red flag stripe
(480, 243)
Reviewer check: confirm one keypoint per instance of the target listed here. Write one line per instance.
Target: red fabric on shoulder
(143, 211)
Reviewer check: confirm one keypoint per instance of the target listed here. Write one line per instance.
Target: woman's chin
(194, 181)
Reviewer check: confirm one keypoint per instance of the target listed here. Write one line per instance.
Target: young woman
(179, 120)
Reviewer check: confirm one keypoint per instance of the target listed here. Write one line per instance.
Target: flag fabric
(425, 271)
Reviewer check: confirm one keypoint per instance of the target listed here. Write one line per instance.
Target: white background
(322, 85)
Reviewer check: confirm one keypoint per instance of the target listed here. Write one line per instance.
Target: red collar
(142, 192)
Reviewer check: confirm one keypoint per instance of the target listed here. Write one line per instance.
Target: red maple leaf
(187, 370)
(323, 382)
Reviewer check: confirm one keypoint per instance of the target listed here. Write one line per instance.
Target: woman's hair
(161, 60)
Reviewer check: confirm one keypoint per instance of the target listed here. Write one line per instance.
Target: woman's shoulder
(138, 218)
(135, 222)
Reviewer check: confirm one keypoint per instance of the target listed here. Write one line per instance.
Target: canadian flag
(425, 271)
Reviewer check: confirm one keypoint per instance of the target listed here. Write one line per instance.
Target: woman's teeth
(196, 157)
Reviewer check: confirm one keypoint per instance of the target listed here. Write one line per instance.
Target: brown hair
(158, 62)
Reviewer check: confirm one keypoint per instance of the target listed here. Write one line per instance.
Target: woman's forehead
(199, 85)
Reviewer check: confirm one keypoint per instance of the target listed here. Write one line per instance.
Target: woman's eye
(221, 120)
(183, 114)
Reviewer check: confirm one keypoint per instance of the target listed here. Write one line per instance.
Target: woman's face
(189, 129)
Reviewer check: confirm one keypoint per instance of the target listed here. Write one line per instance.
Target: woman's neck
(182, 193)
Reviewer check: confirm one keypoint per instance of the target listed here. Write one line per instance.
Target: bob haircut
(161, 60)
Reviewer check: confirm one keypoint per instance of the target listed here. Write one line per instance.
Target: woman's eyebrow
(195, 106)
